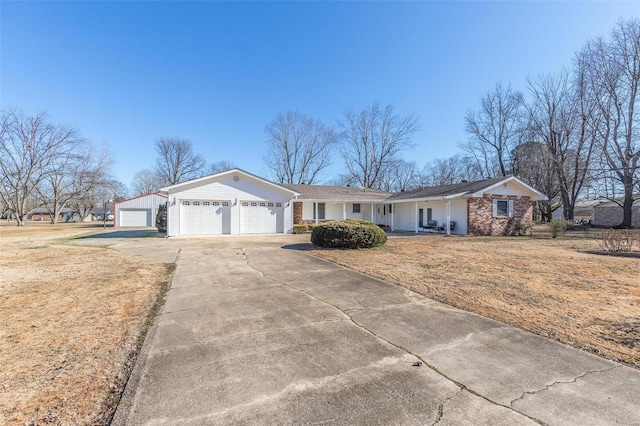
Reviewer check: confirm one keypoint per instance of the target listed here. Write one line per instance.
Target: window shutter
(495, 208)
(510, 208)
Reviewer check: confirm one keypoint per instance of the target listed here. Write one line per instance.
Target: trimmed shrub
(350, 233)
(161, 218)
(299, 229)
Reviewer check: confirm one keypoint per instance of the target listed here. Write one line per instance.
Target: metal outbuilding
(139, 211)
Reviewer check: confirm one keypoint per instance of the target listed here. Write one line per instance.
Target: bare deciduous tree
(145, 182)
(494, 130)
(533, 163)
(373, 138)
(177, 162)
(614, 73)
(400, 175)
(299, 148)
(560, 115)
(221, 166)
(449, 171)
(94, 184)
(29, 147)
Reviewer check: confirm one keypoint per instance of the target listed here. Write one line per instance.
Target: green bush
(300, 229)
(557, 227)
(350, 233)
(161, 218)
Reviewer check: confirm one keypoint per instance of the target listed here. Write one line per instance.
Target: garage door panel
(198, 217)
(135, 217)
(261, 217)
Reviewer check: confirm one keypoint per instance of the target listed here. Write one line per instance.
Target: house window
(356, 208)
(225, 204)
(278, 204)
(320, 211)
(245, 204)
(185, 203)
(196, 203)
(269, 204)
(390, 211)
(206, 203)
(215, 203)
(502, 208)
(429, 214)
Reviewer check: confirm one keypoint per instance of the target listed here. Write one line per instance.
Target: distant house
(582, 210)
(237, 202)
(609, 213)
(42, 214)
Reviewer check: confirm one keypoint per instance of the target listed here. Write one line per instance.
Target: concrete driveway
(254, 333)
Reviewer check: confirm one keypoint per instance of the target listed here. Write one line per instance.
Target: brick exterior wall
(608, 215)
(297, 212)
(480, 220)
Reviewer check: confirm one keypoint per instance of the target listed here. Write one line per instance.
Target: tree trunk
(627, 206)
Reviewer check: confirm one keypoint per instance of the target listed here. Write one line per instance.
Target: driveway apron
(253, 333)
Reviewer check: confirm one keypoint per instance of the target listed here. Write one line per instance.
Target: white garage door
(264, 217)
(202, 217)
(138, 217)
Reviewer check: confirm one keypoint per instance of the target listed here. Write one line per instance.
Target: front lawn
(551, 287)
(71, 320)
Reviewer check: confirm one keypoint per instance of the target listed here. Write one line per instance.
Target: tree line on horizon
(572, 134)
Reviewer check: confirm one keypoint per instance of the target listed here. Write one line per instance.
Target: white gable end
(229, 203)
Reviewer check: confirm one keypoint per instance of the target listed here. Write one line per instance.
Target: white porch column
(416, 218)
(372, 214)
(448, 224)
(344, 211)
(393, 210)
(315, 205)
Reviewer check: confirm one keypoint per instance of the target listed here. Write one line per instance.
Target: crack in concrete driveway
(268, 335)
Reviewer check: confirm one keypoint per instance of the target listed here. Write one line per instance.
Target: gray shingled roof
(446, 190)
(337, 193)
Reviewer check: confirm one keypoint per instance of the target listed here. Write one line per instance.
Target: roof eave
(217, 175)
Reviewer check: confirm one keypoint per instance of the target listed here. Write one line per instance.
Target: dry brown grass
(552, 287)
(70, 318)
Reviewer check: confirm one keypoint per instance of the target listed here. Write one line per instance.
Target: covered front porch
(318, 211)
(443, 215)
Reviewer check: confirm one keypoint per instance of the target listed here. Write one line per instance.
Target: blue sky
(127, 73)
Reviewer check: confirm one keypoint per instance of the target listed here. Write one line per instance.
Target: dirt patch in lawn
(552, 287)
(70, 322)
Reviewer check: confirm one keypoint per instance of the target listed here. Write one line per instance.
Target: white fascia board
(218, 175)
(539, 196)
(327, 200)
(424, 199)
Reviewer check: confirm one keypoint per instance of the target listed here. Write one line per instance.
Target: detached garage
(231, 202)
(139, 211)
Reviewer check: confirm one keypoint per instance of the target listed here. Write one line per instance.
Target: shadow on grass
(138, 233)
